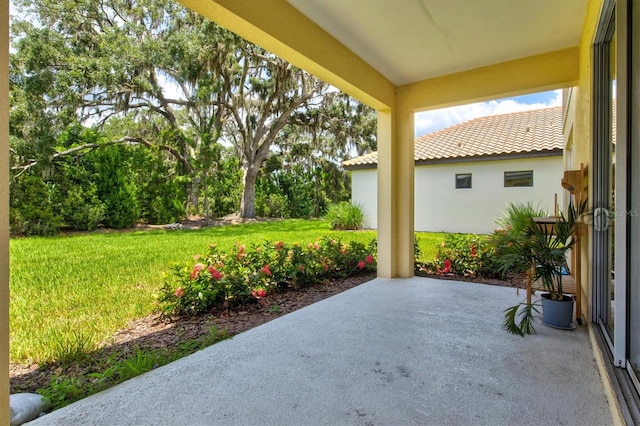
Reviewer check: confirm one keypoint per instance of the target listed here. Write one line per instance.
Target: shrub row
(464, 255)
(231, 279)
(472, 255)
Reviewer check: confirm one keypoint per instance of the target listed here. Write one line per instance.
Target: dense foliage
(208, 107)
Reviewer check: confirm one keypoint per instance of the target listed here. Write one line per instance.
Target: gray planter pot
(557, 313)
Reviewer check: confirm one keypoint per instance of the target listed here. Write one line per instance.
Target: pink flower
(260, 293)
(179, 292)
(361, 264)
(368, 259)
(301, 267)
(215, 274)
(316, 246)
(265, 270)
(196, 270)
(473, 250)
(447, 266)
(279, 245)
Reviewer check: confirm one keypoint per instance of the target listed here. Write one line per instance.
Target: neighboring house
(465, 175)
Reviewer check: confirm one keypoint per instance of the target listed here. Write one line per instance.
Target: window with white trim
(518, 178)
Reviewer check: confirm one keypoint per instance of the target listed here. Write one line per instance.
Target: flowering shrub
(234, 278)
(464, 255)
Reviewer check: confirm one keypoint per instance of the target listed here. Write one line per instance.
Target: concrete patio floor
(415, 351)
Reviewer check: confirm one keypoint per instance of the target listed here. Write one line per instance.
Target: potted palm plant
(539, 248)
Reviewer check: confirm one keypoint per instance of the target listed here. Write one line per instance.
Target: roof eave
(494, 157)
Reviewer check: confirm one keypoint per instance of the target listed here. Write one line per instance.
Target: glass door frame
(613, 22)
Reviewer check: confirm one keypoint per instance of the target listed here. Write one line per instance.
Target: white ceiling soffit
(413, 40)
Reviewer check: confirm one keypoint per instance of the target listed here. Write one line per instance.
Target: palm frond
(519, 319)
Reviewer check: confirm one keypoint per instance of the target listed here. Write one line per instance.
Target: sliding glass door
(605, 157)
(616, 184)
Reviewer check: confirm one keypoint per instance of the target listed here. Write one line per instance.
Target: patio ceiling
(413, 40)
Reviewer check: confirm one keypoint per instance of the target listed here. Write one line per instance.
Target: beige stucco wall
(440, 207)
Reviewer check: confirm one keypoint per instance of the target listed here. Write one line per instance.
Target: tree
(319, 139)
(153, 65)
(268, 95)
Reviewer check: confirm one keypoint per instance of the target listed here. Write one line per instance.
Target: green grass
(428, 242)
(70, 293)
(69, 386)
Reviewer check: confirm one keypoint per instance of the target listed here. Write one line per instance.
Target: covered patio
(414, 351)
(404, 350)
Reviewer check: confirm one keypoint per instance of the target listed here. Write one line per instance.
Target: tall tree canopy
(155, 74)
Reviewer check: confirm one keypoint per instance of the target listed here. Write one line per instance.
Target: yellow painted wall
(582, 129)
(4, 213)
(395, 193)
(554, 70)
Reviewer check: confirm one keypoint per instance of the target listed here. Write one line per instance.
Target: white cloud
(430, 121)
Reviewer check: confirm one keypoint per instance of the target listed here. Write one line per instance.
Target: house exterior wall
(364, 193)
(440, 207)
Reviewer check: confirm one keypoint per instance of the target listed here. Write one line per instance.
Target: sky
(430, 121)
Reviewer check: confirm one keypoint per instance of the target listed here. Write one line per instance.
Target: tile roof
(517, 133)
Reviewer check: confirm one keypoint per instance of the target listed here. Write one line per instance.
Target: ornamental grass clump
(242, 275)
(345, 216)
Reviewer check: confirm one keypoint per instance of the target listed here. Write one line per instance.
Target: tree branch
(92, 146)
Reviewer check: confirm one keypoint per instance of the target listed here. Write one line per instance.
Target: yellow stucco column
(395, 193)
(4, 212)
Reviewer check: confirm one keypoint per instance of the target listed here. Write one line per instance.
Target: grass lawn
(70, 293)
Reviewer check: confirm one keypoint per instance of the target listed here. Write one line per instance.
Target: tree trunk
(193, 196)
(248, 203)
